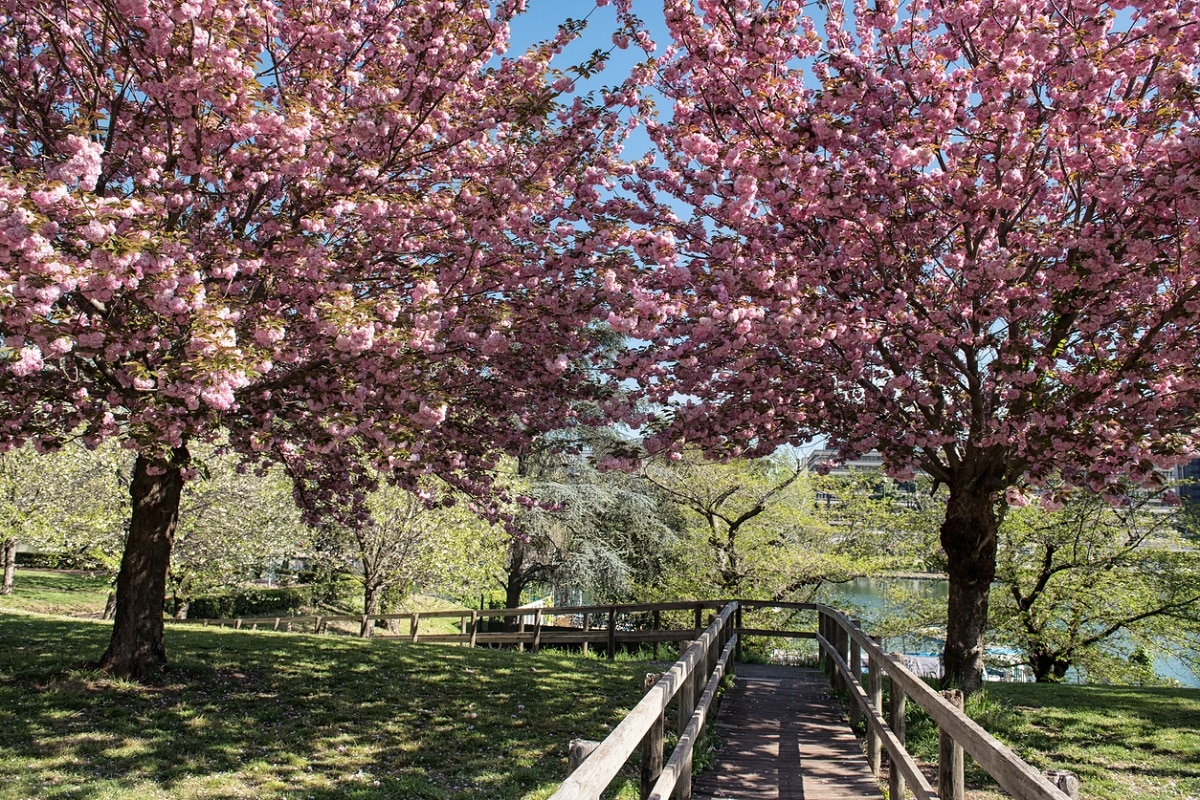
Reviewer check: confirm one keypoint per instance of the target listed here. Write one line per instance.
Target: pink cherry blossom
(994, 206)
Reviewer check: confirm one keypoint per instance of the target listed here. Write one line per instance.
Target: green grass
(1122, 742)
(51, 592)
(273, 715)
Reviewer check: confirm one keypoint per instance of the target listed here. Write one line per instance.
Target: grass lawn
(1123, 742)
(266, 715)
(44, 591)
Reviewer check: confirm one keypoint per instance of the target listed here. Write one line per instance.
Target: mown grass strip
(265, 715)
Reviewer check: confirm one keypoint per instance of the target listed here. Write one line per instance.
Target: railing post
(364, 630)
(898, 703)
(687, 705)
(856, 673)
(537, 630)
(414, 627)
(951, 782)
(520, 633)
(657, 628)
(737, 629)
(820, 649)
(612, 633)
(875, 690)
(652, 745)
(474, 626)
(841, 642)
(587, 626)
(699, 623)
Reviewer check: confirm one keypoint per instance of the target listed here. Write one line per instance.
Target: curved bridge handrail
(598, 770)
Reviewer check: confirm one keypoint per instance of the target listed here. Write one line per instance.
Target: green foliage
(1104, 590)
(251, 602)
(235, 524)
(71, 503)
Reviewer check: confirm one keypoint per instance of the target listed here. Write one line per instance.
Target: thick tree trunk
(969, 538)
(371, 595)
(1050, 668)
(136, 649)
(10, 565)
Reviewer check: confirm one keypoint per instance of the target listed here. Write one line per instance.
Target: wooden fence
(693, 682)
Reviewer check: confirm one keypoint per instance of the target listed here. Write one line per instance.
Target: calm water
(875, 596)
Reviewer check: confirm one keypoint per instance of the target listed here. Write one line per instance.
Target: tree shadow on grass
(1101, 731)
(269, 715)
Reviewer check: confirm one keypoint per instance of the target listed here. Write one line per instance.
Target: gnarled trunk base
(136, 649)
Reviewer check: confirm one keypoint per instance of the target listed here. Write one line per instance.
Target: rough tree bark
(136, 649)
(968, 536)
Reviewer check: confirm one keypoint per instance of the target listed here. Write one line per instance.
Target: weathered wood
(784, 737)
(415, 626)
(900, 760)
(951, 779)
(875, 683)
(587, 782)
(652, 745)
(1065, 781)
(577, 752)
(1014, 775)
(897, 704)
(676, 776)
(856, 671)
(612, 633)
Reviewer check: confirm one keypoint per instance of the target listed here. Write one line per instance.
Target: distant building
(1187, 482)
(868, 462)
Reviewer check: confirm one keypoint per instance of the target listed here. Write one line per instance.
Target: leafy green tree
(234, 523)
(411, 541)
(71, 501)
(578, 528)
(752, 528)
(1095, 587)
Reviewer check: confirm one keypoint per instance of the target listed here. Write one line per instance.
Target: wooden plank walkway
(784, 737)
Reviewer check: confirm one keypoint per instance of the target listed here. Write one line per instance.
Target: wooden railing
(694, 679)
(843, 645)
(608, 627)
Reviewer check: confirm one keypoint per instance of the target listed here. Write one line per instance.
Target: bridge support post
(823, 660)
(951, 781)
(1066, 781)
(737, 629)
(841, 643)
(856, 675)
(875, 690)
(612, 633)
(652, 745)
(657, 628)
(898, 703)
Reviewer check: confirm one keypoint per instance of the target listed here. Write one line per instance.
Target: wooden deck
(784, 737)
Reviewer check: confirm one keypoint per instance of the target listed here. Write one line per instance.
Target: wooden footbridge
(782, 729)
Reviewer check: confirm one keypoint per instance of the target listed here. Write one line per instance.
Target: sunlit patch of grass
(42, 591)
(266, 715)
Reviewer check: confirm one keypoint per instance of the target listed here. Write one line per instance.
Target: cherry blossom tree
(343, 234)
(961, 232)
